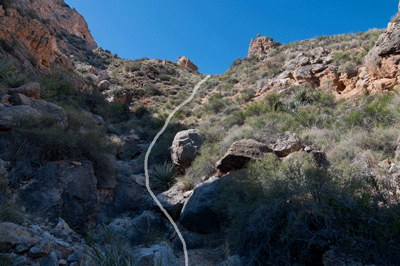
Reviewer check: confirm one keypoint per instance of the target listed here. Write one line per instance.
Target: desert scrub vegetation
(56, 87)
(292, 212)
(39, 140)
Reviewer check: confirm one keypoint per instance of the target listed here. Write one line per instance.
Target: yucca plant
(6, 68)
(14, 80)
(162, 176)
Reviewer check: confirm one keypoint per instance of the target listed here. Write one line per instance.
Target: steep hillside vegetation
(291, 157)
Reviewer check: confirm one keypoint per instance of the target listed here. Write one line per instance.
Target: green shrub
(287, 214)
(215, 104)
(37, 140)
(164, 77)
(152, 90)
(163, 176)
(56, 85)
(132, 66)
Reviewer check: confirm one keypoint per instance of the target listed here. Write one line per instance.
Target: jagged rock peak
(262, 45)
(185, 62)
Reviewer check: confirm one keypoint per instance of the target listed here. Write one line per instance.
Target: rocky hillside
(291, 157)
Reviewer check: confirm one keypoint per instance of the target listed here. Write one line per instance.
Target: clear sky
(213, 34)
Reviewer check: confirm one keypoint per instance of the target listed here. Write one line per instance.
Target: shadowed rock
(240, 153)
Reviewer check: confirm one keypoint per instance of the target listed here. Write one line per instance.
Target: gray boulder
(185, 148)
(128, 147)
(156, 255)
(50, 260)
(21, 106)
(138, 228)
(172, 200)
(198, 213)
(240, 153)
(9, 115)
(64, 189)
(11, 235)
(129, 197)
(104, 85)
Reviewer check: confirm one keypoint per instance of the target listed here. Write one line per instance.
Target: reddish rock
(262, 45)
(185, 62)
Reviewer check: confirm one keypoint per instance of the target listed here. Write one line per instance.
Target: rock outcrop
(185, 62)
(17, 106)
(382, 61)
(39, 33)
(287, 143)
(64, 189)
(262, 45)
(185, 148)
(240, 153)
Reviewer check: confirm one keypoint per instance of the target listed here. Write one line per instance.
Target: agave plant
(162, 176)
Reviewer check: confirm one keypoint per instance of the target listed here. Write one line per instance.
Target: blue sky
(214, 33)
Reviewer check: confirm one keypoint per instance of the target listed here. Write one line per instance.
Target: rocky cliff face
(382, 62)
(38, 33)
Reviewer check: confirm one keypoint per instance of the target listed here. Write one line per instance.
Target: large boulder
(128, 197)
(31, 89)
(382, 61)
(172, 200)
(64, 189)
(128, 147)
(199, 213)
(185, 148)
(18, 105)
(155, 255)
(104, 85)
(240, 153)
(287, 143)
(138, 228)
(10, 114)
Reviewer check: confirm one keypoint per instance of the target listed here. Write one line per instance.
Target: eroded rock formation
(185, 62)
(262, 45)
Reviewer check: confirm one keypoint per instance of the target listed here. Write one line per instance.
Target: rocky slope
(264, 142)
